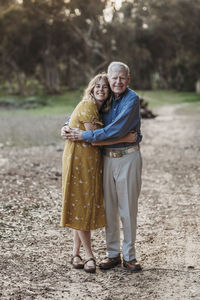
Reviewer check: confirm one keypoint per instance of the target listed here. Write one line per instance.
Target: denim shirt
(123, 116)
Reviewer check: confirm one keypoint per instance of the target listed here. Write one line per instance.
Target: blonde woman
(82, 190)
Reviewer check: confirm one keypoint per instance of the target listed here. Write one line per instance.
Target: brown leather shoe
(109, 263)
(132, 265)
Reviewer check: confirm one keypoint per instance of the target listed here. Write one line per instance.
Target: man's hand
(72, 134)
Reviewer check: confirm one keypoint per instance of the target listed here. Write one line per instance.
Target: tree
(63, 42)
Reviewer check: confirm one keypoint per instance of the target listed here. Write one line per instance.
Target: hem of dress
(76, 228)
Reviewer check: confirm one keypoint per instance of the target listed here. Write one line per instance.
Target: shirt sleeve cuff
(87, 136)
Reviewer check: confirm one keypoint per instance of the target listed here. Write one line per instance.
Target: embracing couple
(101, 176)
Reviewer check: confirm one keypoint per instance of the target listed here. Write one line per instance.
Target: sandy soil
(35, 251)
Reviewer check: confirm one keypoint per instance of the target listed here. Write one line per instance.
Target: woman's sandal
(77, 265)
(90, 269)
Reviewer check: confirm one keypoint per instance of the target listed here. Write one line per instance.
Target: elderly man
(122, 168)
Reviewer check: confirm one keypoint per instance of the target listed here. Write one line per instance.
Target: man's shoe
(109, 263)
(132, 266)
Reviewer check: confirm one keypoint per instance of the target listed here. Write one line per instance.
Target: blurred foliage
(56, 43)
(65, 102)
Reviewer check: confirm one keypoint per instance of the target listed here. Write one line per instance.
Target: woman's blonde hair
(89, 91)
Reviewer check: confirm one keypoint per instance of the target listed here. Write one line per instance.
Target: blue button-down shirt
(123, 116)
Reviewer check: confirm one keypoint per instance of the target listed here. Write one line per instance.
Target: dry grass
(19, 128)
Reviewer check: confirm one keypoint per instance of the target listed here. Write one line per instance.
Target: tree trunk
(52, 81)
(198, 86)
(22, 86)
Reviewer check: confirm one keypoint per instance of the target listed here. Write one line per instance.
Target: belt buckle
(117, 154)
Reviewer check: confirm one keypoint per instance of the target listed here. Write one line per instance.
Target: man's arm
(128, 118)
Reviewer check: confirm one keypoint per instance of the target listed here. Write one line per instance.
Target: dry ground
(35, 251)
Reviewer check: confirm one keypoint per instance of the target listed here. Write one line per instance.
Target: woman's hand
(64, 131)
(73, 134)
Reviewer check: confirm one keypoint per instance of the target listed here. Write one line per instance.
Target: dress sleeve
(88, 113)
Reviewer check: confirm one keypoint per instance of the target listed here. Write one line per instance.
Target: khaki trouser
(122, 184)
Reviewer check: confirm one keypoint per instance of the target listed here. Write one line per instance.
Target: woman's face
(101, 92)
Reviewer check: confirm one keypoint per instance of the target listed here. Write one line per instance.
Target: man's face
(118, 80)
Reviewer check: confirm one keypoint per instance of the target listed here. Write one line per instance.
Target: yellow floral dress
(82, 190)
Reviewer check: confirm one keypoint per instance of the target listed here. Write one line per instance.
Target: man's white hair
(117, 65)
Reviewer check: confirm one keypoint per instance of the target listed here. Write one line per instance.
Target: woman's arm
(90, 126)
(131, 137)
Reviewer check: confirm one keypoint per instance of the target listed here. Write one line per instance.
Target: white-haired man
(122, 168)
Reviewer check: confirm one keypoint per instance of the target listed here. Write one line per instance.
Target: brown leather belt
(120, 153)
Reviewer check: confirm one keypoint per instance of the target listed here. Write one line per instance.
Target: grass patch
(42, 104)
(66, 102)
(164, 97)
(40, 124)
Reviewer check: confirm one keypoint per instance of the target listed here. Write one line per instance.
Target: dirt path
(35, 251)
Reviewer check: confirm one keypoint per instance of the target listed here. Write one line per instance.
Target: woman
(82, 189)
